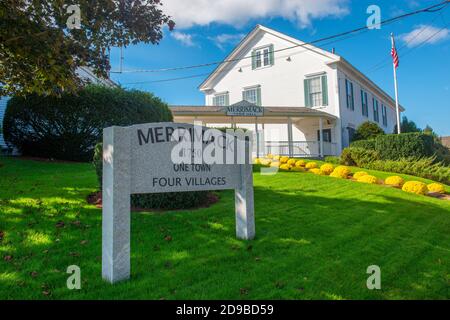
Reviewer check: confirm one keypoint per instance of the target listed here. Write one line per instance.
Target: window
(221, 99)
(263, 57)
(349, 95)
(364, 104)
(376, 115)
(384, 114)
(252, 95)
(351, 134)
(316, 91)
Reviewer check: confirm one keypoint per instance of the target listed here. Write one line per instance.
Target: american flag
(394, 54)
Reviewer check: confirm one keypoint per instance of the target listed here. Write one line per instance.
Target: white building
(301, 88)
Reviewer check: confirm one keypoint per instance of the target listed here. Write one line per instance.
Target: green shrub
(367, 130)
(358, 156)
(333, 159)
(365, 144)
(406, 145)
(170, 201)
(421, 167)
(69, 126)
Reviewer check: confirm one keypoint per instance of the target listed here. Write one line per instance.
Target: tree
(367, 130)
(407, 126)
(42, 44)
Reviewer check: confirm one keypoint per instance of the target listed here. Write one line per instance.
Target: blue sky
(207, 31)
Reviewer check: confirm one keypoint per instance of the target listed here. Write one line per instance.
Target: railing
(300, 148)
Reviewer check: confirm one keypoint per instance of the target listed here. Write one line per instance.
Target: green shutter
(362, 102)
(307, 96)
(243, 95)
(271, 55)
(258, 96)
(353, 99)
(253, 60)
(346, 92)
(227, 99)
(324, 91)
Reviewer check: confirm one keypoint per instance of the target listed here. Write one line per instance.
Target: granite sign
(168, 157)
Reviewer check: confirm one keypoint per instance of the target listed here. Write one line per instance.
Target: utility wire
(433, 8)
(227, 69)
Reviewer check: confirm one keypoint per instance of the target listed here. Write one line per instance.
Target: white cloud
(187, 13)
(184, 38)
(424, 34)
(224, 39)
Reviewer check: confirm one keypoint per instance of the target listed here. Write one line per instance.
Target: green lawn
(315, 238)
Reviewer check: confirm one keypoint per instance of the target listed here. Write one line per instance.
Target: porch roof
(272, 111)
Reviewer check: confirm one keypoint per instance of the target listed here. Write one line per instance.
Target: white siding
(3, 101)
(353, 118)
(282, 83)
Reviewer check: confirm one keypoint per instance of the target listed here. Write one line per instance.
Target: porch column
(289, 127)
(321, 137)
(257, 137)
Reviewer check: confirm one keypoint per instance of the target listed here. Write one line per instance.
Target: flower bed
(343, 172)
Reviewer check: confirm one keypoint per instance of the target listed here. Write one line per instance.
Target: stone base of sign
(116, 205)
(243, 200)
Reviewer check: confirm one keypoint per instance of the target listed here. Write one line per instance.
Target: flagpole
(397, 108)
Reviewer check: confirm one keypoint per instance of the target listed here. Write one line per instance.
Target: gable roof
(233, 56)
(333, 58)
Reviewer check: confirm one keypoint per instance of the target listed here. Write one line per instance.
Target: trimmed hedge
(69, 126)
(425, 168)
(397, 146)
(358, 156)
(405, 145)
(365, 144)
(368, 130)
(169, 201)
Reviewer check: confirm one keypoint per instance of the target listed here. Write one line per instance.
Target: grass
(315, 238)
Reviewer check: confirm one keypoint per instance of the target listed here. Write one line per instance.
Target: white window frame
(223, 96)
(253, 89)
(316, 97)
(260, 57)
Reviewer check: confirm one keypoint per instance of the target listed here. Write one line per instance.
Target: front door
(326, 138)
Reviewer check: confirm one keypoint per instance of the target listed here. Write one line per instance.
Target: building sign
(167, 157)
(245, 110)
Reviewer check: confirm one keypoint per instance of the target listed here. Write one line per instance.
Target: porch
(290, 131)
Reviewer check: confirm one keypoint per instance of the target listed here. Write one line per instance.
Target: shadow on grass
(307, 246)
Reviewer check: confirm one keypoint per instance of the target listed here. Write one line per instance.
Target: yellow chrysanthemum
(276, 158)
(257, 161)
(340, 172)
(359, 174)
(436, 188)
(275, 164)
(300, 163)
(368, 179)
(415, 187)
(284, 159)
(298, 169)
(285, 166)
(394, 181)
(327, 168)
(311, 165)
(266, 162)
(291, 162)
(316, 171)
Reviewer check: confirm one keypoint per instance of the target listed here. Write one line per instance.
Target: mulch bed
(95, 199)
(46, 159)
